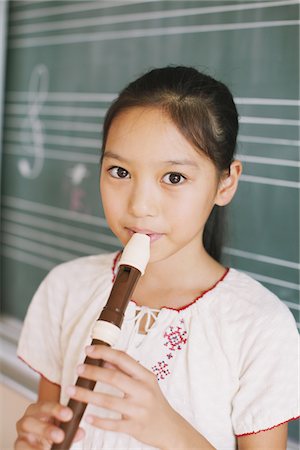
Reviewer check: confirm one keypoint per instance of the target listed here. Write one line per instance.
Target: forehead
(148, 133)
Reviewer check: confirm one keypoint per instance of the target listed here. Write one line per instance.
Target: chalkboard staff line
(139, 33)
(16, 122)
(19, 109)
(54, 226)
(60, 155)
(94, 159)
(20, 231)
(274, 281)
(58, 10)
(27, 205)
(26, 258)
(96, 237)
(261, 258)
(268, 140)
(104, 97)
(63, 125)
(270, 181)
(268, 121)
(40, 249)
(21, 150)
(56, 25)
(53, 211)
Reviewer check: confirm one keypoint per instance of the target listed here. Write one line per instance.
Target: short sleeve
(268, 393)
(39, 344)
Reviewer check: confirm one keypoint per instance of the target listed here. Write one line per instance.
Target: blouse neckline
(182, 308)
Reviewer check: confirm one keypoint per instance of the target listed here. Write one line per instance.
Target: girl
(207, 357)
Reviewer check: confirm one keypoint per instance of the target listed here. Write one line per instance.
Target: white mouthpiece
(137, 252)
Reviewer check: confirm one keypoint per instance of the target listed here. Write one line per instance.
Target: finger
(110, 402)
(119, 359)
(120, 426)
(80, 433)
(27, 442)
(113, 377)
(46, 411)
(32, 426)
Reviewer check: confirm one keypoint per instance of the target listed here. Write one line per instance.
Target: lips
(154, 236)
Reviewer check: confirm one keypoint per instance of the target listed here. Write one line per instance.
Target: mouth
(154, 236)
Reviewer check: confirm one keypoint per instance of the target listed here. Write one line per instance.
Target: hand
(37, 430)
(146, 414)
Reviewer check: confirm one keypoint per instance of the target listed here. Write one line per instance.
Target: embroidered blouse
(227, 362)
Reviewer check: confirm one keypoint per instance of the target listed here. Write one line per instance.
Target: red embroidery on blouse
(176, 337)
(267, 429)
(161, 370)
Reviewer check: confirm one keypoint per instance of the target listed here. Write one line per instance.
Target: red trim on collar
(114, 265)
(203, 293)
(267, 429)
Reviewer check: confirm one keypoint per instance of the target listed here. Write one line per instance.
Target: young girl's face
(154, 182)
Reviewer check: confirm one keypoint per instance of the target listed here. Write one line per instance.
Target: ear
(228, 184)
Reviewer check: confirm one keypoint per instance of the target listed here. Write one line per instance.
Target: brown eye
(118, 172)
(174, 178)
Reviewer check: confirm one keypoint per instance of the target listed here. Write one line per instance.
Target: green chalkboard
(67, 60)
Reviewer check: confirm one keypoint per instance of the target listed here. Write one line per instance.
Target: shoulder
(84, 269)
(243, 301)
(244, 291)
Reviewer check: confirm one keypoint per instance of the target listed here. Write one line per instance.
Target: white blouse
(227, 362)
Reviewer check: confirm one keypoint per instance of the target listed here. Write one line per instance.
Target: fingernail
(57, 435)
(66, 414)
(71, 390)
(80, 369)
(89, 349)
(89, 419)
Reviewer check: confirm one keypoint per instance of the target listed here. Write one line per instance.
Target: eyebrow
(172, 162)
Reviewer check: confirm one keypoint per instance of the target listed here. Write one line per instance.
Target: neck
(179, 278)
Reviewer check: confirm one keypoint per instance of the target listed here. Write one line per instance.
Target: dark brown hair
(202, 109)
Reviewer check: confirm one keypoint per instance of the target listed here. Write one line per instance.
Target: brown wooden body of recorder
(113, 312)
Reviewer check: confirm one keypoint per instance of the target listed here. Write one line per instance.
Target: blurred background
(62, 63)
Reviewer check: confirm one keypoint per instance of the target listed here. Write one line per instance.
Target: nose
(143, 200)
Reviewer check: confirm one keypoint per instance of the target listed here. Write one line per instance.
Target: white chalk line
(268, 121)
(268, 140)
(136, 17)
(59, 155)
(54, 226)
(60, 125)
(261, 258)
(109, 97)
(27, 258)
(140, 33)
(60, 10)
(33, 247)
(20, 231)
(70, 141)
(270, 181)
(268, 161)
(273, 281)
(18, 109)
(40, 208)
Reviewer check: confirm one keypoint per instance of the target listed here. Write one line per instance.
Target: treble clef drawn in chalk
(32, 166)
